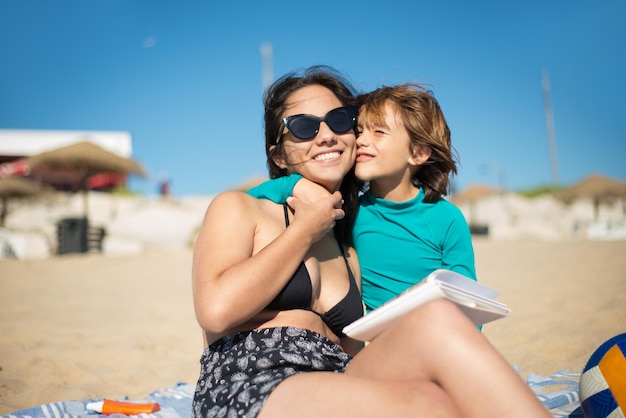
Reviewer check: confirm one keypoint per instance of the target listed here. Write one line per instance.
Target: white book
(477, 301)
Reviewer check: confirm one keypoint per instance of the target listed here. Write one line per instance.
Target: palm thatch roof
(86, 156)
(473, 193)
(596, 187)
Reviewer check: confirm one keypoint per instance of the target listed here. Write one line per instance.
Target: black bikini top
(298, 294)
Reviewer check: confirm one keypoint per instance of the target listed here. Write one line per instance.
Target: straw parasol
(473, 193)
(596, 187)
(89, 159)
(11, 187)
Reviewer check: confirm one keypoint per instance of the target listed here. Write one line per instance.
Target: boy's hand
(318, 217)
(308, 192)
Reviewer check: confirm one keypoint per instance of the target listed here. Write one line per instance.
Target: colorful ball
(602, 386)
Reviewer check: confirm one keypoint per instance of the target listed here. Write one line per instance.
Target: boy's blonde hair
(420, 114)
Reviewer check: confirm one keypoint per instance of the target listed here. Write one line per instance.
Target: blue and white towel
(175, 402)
(558, 392)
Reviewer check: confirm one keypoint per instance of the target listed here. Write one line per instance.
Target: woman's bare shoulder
(239, 203)
(232, 197)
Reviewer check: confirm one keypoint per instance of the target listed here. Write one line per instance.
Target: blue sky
(185, 78)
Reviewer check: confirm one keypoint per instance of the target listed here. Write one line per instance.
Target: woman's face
(326, 158)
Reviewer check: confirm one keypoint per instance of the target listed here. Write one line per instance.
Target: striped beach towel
(558, 392)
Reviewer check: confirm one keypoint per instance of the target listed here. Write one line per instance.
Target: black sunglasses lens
(303, 127)
(341, 120)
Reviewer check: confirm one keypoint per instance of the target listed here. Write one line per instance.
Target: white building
(19, 143)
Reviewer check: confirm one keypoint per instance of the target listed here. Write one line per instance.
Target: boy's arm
(277, 190)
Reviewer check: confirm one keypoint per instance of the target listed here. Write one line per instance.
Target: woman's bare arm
(233, 280)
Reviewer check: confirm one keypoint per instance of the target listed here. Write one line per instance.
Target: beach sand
(78, 327)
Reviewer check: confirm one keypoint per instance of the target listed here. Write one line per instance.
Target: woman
(273, 290)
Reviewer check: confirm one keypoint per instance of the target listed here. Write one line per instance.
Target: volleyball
(602, 385)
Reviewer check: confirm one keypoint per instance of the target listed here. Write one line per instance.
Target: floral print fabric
(239, 371)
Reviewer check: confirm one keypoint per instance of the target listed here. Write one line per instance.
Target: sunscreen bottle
(108, 407)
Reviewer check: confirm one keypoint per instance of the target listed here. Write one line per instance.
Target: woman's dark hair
(274, 101)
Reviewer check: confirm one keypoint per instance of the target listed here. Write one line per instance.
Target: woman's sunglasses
(305, 127)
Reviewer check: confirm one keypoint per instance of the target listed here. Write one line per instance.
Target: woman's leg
(327, 394)
(432, 363)
(437, 343)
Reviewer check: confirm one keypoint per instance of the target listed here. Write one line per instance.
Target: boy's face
(383, 149)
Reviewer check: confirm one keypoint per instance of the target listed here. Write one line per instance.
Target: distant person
(273, 289)
(165, 188)
(404, 229)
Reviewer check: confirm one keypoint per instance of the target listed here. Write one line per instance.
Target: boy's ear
(277, 157)
(421, 153)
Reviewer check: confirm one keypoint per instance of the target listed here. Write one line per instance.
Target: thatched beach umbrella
(596, 187)
(471, 195)
(11, 187)
(89, 159)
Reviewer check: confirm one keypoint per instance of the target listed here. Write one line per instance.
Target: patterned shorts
(239, 371)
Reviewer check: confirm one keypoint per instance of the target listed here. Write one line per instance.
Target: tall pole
(545, 83)
(268, 64)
